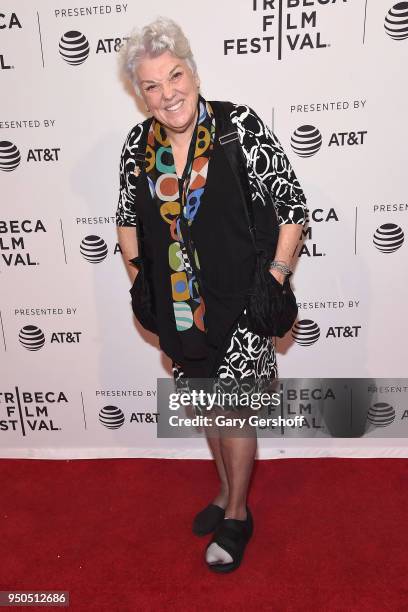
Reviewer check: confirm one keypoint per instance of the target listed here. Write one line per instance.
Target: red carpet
(330, 535)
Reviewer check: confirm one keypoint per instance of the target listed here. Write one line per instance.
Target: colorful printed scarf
(179, 202)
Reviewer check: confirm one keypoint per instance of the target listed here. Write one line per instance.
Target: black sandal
(208, 519)
(232, 535)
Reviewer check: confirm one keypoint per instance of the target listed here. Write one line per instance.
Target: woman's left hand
(278, 275)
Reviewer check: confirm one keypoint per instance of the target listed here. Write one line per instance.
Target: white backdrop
(327, 71)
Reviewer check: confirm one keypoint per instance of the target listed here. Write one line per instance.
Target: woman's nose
(168, 90)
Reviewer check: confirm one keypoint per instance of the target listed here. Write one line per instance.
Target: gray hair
(156, 38)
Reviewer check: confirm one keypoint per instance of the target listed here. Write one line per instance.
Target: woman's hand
(278, 275)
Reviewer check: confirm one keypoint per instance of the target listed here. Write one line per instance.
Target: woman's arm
(289, 200)
(126, 211)
(269, 166)
(288, 240)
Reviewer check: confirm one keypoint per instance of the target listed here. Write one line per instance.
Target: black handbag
(142, 295)
(271, 307)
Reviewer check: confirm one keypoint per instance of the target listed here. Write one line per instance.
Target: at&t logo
(307, 332)
(381, 414)
(94, 249)
(307, 140)
(10, 156)
(388, 238)
(74, 47)
(32, 337)
(396, 21)
(113, 417)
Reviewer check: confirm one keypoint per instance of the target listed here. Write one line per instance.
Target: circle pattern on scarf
(170, 211)
(175, 258)
(183, 316)
(167, 188)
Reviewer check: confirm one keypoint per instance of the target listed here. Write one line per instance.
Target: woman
(186, 202)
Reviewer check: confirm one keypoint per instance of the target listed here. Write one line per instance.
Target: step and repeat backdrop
(77, 373)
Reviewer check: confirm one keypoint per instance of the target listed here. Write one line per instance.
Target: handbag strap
(228, 137)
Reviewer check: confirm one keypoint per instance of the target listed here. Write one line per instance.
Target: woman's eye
(150, 88)
(176, 75)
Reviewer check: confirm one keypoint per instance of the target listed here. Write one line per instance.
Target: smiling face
(170, 91)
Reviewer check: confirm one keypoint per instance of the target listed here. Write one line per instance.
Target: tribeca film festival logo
(28, 411)
(13, 235)
(388, 238)
(287, 25)
(74, 47)
(33, 338)
(112, 417)
(8, 21)
(10, 156)
(307, 140)
(307, 332)
(292, 25)
(317, 215)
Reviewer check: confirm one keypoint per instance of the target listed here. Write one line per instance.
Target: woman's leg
(222, 498)
(234, 458)
(249, 358)
(213, 441)
(238, 456)
(252, 357)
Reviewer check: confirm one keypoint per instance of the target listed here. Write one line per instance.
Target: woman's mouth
(175, 107)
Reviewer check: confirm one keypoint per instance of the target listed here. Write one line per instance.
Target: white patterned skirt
(247, 356)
